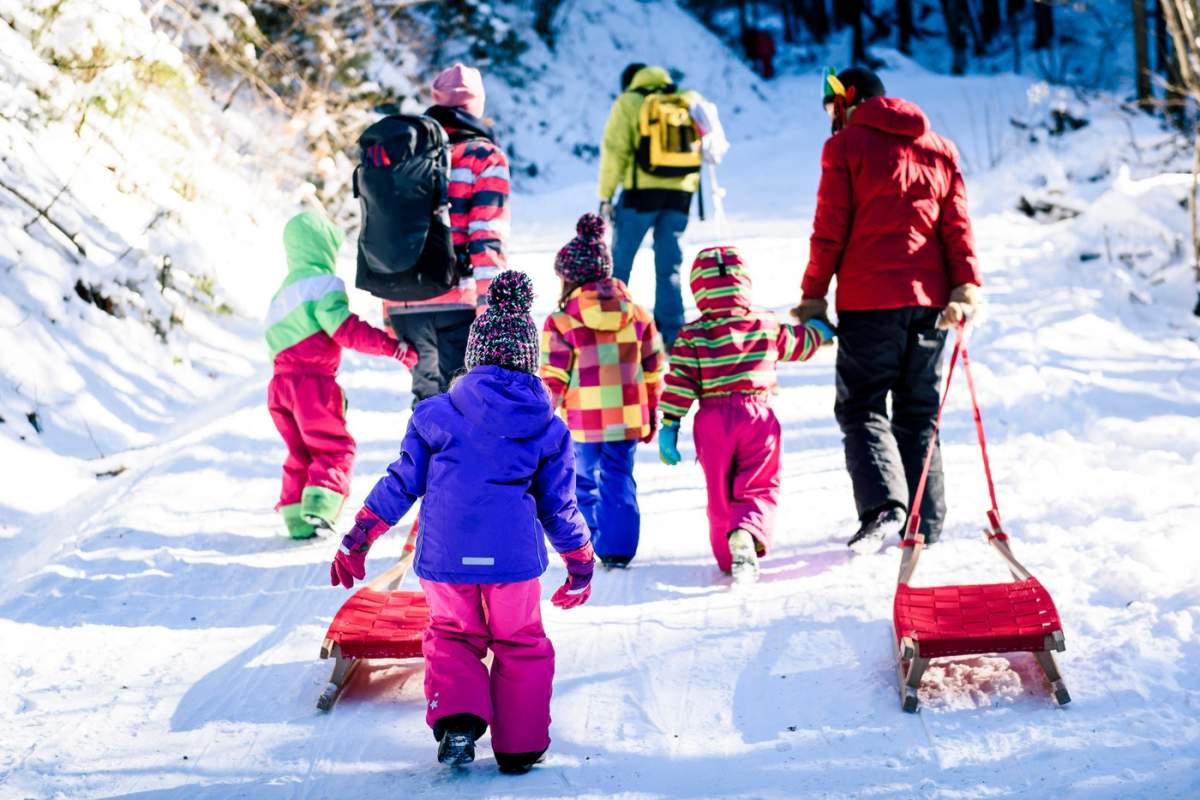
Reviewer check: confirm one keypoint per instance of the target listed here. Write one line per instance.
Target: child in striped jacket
(727, 360)
(602, 360)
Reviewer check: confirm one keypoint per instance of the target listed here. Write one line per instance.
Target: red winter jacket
(891, 218)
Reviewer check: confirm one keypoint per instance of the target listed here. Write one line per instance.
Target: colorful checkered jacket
(479, 213)
(602, 359)
(731, 349)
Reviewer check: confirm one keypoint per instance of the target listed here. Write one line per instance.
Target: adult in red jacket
(892, 225)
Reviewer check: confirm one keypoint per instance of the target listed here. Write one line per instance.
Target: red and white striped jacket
(479, 212)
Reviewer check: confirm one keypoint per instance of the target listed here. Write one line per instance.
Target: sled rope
(914, 519)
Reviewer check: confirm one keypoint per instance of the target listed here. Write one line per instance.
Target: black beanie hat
(866, 84)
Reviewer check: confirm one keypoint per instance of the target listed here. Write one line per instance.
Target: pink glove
(649, 437)
(578, 588)
(350, 562)
(406, 355)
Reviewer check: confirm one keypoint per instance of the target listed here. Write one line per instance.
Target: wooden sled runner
(378, 621)
(943, 621)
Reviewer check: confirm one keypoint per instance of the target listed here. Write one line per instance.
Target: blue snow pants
(607, 496)
(629, 229)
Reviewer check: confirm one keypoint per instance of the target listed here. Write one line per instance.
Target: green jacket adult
(618, 150)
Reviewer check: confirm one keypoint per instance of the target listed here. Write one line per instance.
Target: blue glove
(668, 442)
(823, 329)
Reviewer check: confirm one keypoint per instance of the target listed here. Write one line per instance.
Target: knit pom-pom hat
(586, 257)
(504, 335)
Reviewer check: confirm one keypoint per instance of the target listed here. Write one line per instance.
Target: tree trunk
(844, 12)
(1015, 7)
(989, 20)
(815, 16)
(1174, 101)
(789, 21)
(1043, 24)
(956, 34)
(1182, 17)
(1141, 57)
(904, 17)
(859, 56)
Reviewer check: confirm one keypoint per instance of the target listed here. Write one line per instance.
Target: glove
(965, 301)
(578, 588)
(649, 437)
(607, 211)
(668, 442)
(350, 562)
(824, 330)
(811, 308)
(406, 355)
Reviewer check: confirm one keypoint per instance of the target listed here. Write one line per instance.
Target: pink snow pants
(465, 620)
(309, 410)
(739, 443)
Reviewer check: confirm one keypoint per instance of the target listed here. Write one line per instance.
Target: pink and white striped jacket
(479, 212)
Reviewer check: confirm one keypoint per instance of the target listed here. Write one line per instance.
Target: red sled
(378, 621)
(939, 621)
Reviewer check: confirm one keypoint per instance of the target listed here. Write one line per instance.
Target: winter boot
(456, 735)
(297, 527)
(877, 527)
(615, 562)
(320, 506)
(518, 763)
(744, 553)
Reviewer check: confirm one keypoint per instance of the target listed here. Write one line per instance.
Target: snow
(164, 632)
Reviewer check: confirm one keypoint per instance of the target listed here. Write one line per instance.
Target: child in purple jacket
(496, 470)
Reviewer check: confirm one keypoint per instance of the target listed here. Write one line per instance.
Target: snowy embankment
(166, 632)
(138, 226)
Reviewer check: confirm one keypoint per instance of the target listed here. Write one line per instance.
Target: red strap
(914, 519)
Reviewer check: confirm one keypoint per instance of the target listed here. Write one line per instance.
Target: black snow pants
(899, 352)
(440, 339)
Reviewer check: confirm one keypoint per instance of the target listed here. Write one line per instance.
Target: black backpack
(405, 250)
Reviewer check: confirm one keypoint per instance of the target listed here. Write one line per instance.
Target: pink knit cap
(460, 87)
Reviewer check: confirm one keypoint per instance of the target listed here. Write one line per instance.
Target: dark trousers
(440, 338)
(898, 352)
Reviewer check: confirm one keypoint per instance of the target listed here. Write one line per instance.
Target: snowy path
(167, 648)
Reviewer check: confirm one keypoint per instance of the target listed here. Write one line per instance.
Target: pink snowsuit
(739, 443)
(496, 473)
(727, 360)
(308, 324)
(465, 620)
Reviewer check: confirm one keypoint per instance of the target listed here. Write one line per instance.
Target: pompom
(590, 226)
(511, 292)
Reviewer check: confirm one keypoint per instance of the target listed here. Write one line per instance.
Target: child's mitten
(350, 562)
(406, 355)
(578, 588)
(668, 442)
(824, 329)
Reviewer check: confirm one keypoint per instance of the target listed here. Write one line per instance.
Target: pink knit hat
(460, 87)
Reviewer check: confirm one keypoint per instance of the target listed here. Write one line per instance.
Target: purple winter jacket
(496, 470)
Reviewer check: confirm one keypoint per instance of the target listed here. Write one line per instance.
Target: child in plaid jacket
(727, 360)
(602, 360)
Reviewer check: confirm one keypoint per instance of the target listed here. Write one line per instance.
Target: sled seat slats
(970, 620)
(380, 624)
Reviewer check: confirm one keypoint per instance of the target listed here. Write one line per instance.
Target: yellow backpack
(668, 140)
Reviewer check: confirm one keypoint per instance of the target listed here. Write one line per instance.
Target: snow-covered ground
(164, 633)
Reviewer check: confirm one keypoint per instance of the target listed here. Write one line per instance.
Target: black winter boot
(877, 527)
(456, 735)
(518, 763)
